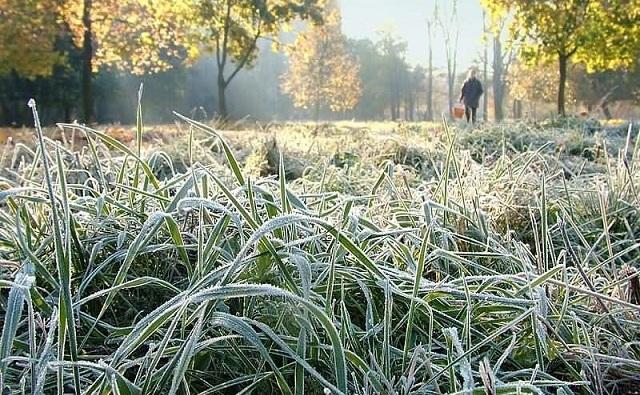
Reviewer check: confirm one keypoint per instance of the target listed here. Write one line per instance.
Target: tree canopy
(134, 35)
(139, 36)
(321, 72)
(28, 37)
(596, 33)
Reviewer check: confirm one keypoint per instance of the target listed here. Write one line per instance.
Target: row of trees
(88, 44)
(65, 48)
(326, 71)
(598, 35)
(595, 44)
(42, 37)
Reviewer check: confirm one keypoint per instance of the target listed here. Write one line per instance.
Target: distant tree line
(40, 39)
(288, 59)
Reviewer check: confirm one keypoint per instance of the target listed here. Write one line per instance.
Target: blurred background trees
(45, 38)
(598, 34)
(84, 59)
(322, 74)
(231, 29)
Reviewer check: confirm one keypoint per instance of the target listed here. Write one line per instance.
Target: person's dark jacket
(471, 92)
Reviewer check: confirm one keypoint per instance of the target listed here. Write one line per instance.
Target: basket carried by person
(458, 110)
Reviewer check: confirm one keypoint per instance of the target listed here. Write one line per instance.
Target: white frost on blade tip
(464, 366)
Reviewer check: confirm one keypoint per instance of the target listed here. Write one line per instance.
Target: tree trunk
(430, 77)
(222, 97)
(67, 112)
(6, 117)
(409, 111)
(485, 98)
(451, 52)
(498, 79)
(517, 109)
(87, 63)
(452, 78)
(485, 63)
(406, 109)
(415, 110)
(4, 113)
(562, 63)
(394, 94)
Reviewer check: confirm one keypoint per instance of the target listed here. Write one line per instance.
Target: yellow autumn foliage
(601, 34)
(321, 72)
(135, 35)
(27, 38)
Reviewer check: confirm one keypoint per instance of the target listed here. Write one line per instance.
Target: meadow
(340, 258)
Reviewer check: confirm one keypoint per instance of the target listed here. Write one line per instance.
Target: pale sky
(363, 18)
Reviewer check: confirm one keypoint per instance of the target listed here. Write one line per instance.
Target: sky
(407, 18)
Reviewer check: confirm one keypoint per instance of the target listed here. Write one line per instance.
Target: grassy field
(346, 258)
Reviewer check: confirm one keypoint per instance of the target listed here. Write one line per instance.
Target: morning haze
(407, 18)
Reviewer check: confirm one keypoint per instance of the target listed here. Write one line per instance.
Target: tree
(413, 85)
(451, 35)
(395, 68)
(539, 84)
(498, 79)
(139, 36)
(548, 30)
(597, 33)
(430, 23)
(133, 35)
(28, 35)
(31, 50)
(87, 59)
(388, 81)
(321, 71)
(501, 62)
(231, 29)
(371, 63)
(485, 61)
(613, 36)
(599, 89)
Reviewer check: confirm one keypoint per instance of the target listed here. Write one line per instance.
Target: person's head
(472, 73)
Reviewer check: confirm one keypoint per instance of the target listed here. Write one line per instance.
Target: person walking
(470, 94)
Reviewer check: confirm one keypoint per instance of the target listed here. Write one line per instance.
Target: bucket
(458, 111)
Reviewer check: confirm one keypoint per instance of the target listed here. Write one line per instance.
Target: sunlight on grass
(396, 258)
